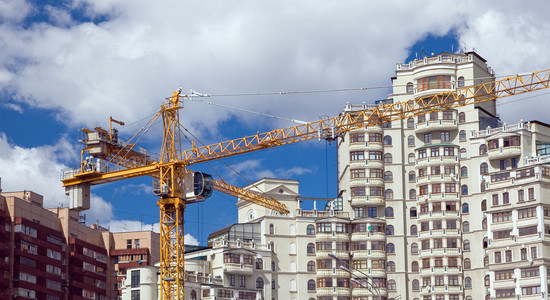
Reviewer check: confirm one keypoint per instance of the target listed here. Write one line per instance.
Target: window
(530, 212)
(523, 253)
(464, 190)
(450, 188)
(414, 248)
(495, 199)
(129, 244)
(311, 285)
(375, 137)
(412, 212)
(135, 295)
(259, 264)
(505, 198)
(412, 194)
(386, 125)
(259, 283)
(461, 118)
(448, 151)
(464, 171)
(483, 149)
(389, 230)
(508, 255)
(388, 158)
(375, 155)
(390, 248)
(357, 155)
(311, 266)
(372, 212)
(467, 264)
(358, 191)
(390, 266)
(310, 229)
(410, 123)
(498, 257)
(310, 248)
(324, 227)
(412, 175)
(504, 275)
(484, 205)
(391, 285)
(502, 164)
(388, 176)
(463, 153)
(428, 138)
(271, 229)
(410, 140)
(528, 230)
(530, 272)
(414, 230)
(135, 279)
(445, 136)
(242, 281)
(465, 208)
(462, 136)
(411, 158)
(414, 266)
(388, 194)
(434, 82)
(358, 173)
(357, 137)
(415, 285)
(451, 243)
(531, 290)
(421, 118)
(484, 169)
(453, 279)
(410, 88)
(531, 192)
(389, 212)
(466, 226)
(387, 140)
(434, 152)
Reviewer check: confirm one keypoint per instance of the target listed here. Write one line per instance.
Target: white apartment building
(449, 205)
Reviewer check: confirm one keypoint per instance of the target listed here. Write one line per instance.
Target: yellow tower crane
(179, 186)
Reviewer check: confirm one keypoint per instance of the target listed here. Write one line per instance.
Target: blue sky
(65, 65)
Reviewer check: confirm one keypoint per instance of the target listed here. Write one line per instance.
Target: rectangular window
(505, 198)
(501, 234)
(436, 206)
(358, 191)
(436, 188)
(527, 230)
(437, 224)
(449, 170)
(495, 199)
(533, 252)
(434, 152)
(452, 261)
(498, 257)
(231, 279)
(447, 115)
(375, 137)
(450, 188)
(453, 279)
(357, 137)
(531, 192)
(505, 293)
(136, 243)
(135, 280)
(521, 196)
(508, 255)
(135, 295)
(530, 212)
(421, 153)
(452, 243)
(438, 243)
(530, 272)
(428, 138)
(372, 212)
(448, 151)
(128, 244)
(357, 155)
(358, 173)
(445, 136)
(375, 155)
(503, 164)
(435, 170)
(530, 290)
(504, 216)
(504, 275)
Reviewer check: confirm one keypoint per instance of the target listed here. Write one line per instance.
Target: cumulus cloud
(253, 168)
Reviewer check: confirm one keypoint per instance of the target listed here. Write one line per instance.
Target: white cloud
(253, 169)
(14, 10)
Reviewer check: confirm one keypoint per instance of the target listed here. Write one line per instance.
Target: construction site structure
(171, 168)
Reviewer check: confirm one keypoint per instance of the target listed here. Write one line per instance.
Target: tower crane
(179, 186)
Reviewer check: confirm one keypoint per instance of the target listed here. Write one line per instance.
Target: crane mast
(174, 178)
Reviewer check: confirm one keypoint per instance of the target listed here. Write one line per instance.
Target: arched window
(482, 186)
(272, 265)
(259, 283)
(415, 285)
(410, 88)
(390, 266)
(388, 194)
(259, 264)
(412, 175)
(412, 212)
(390, 248)
(387, 140)
(464, 189)
(484, 169)
(468, 282)
(311, 266)
(292, 248)
(414, 266)
(414, 248)
(462, 136)
(193, 295)
(466, 245)
(484, 223)
(410, 123)
(391, 285)
(486, 280)
(411, 158)
(485, 242)
(410, 140)
(483, 149)
(273, 284)
(460, 81)
(271, 246)
(271, 229)
(484, 205)
(414, 230)
(311, 248)
(467, 264)
(389, 230)
(388, 176)
(311, 285)
(466, 226)
(486, 261)
(463, 153)
(388, 158)
(310, 229)
(389, 212)
(464, 171)
(461, 118)
(465, 208)
(412, 194)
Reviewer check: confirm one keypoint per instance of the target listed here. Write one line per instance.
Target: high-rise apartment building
(447, 205)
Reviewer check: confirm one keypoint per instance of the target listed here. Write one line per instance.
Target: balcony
(438, 160)
(361, 236)
(362, 200)
(357, 163)
(366, 181)
(444, 125)
(373, 163)
(331, 273)
(336, 291)
(365, 292)
(504, 152)
(240, 269)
